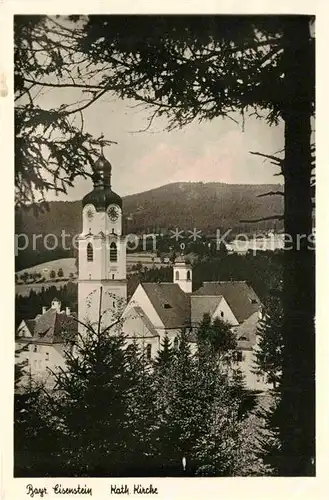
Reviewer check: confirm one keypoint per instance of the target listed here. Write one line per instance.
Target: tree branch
(65, 85)
(272, 217)
(270, 193)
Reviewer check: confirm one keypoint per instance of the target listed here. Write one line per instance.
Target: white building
(40, 342)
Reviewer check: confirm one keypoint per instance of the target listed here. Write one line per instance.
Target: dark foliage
(113, 413)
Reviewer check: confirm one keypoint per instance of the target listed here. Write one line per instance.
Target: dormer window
(166, 306)
(253, 301)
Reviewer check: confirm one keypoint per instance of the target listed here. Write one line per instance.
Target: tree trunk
(297, 408)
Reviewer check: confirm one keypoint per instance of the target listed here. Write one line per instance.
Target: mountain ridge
(206, 205)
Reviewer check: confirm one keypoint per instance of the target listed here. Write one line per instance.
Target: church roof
(241, 298)
(203, 305)
(52, 327)
(102, 164)
(101, 197)
(172, 305)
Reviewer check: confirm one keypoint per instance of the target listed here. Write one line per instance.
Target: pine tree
(218, 334)
(92, 403)
(20, 368)
(225, 445)
(164, 355)
(141, 414)
(269, 349)
(180, 418)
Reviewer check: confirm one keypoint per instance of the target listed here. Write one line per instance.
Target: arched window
(90, 252)
(148, 351)
(175, 343)
(188, 275)
(177, 275)
(113, 252)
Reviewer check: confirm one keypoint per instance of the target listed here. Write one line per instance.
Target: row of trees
(114, 412)
(24, 277)
(32, 277)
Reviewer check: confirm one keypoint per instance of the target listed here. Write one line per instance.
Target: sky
(212, 151)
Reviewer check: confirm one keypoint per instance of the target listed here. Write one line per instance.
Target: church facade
(155, 309)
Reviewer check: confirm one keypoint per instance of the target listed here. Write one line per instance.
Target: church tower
(183, 274)
(102, 286)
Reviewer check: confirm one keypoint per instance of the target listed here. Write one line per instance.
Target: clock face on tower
(113, 213)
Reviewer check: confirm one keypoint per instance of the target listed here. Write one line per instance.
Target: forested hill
(186, 205)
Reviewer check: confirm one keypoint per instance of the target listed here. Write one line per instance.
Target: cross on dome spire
(102, 144)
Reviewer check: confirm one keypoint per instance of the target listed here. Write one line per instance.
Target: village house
(41, 342)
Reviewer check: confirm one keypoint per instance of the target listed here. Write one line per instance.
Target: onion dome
(102, 195)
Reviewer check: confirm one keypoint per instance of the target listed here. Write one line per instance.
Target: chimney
(68, 311)
(44, 309)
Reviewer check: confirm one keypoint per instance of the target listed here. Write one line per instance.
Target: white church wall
(113, 298)
(252, 381)
(224, 312)
(141, 299)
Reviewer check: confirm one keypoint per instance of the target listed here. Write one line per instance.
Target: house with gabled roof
(40, 342)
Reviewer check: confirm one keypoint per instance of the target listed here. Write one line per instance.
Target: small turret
(56, 304)
(183, 274)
